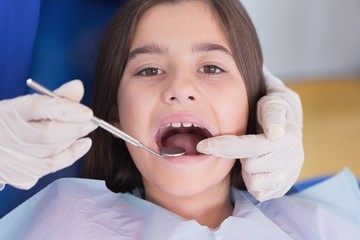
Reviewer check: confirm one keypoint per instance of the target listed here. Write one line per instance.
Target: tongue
(185, 141)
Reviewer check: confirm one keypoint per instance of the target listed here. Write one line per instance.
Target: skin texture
(182, 70)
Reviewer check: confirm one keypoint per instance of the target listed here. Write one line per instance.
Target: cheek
(127, 105)
(233, 112)
(135, 106)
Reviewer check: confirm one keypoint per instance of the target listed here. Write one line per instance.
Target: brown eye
(211, 69)
(150, 72)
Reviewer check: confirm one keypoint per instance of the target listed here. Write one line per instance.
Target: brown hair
(109, 159)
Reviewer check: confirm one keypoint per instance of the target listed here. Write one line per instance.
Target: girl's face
(181, 85)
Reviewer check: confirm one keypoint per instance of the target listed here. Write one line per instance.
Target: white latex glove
(271, 161)
(40, 135)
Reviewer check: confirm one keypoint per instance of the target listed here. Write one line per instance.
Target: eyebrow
(161, 50)
(208, 47)
(147, 49)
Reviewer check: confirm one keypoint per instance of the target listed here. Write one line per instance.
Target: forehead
(179, 21)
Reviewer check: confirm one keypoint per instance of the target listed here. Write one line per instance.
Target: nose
(180, 89)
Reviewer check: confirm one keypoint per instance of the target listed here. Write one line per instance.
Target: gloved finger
(25, 174)
(271, 185)
(69, 156)
(272, 83)
(39, 107)
(15, 168)
(271, 115)
(51, 137)
(25, 185)
(231, 146)
(265, 181)
(275, 192)
(267, 162)
(275, 87)
(277, 152)
(73, 90)
(262, 196)
(50, 132)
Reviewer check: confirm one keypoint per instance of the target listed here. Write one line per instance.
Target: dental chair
(51, 41)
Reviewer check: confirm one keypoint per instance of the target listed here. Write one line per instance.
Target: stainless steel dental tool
(164, 152)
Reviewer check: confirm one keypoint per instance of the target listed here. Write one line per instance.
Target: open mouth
(182, 134)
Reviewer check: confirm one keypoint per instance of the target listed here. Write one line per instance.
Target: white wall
(308, 38)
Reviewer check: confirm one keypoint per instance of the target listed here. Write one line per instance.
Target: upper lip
(180, 118)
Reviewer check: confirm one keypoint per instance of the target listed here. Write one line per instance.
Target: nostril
(189, 97)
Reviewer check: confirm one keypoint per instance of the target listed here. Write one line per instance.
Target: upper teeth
(179, 124)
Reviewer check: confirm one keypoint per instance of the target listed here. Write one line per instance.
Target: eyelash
(153, 71)
(218, 70)
(144, 72)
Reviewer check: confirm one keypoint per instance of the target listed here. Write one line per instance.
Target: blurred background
(314, 47)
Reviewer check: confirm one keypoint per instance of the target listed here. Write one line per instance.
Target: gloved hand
(40, 134)
(271, 161)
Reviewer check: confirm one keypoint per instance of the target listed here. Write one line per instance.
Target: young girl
(196, 75)
(217, 75)
(172, 73)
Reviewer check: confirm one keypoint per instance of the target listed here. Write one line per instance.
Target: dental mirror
(164, 152)
(172, 151)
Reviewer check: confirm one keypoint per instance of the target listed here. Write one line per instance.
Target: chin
(192, 183)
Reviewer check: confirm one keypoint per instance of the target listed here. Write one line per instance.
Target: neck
(209, 208)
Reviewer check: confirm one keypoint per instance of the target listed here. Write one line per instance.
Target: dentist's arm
(41, 135)
(271, 162)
